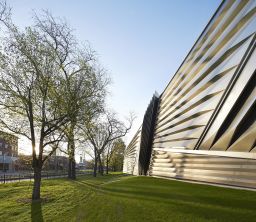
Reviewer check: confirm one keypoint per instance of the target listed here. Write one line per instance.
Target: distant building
(82, 164)
(8, 151)
(54, 162)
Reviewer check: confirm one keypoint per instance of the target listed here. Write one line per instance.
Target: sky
(141, 43)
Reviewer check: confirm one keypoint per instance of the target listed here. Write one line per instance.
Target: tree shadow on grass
(98, 186)
(201, 207)
(36, 211)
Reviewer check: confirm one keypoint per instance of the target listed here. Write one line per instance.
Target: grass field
(125, 198)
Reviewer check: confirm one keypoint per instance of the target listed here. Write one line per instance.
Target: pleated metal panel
(189, 104)
(131, 155)
(206, 168)
(237, 110)
(209, 106)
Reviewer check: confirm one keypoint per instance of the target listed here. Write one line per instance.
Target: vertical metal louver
(147, 133)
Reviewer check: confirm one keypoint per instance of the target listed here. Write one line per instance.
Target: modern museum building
(202, 127)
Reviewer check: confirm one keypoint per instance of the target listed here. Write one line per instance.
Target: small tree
(86, 91)
(102, 132)
(115, 155)
(117, 159)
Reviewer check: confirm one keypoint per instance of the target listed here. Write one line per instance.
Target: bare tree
(102, 132)
(114, 154)
(109, 153)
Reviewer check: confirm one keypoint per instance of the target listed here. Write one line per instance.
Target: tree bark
(71, 151)
(107, 166)
(95, 163)
(37, 183)
(98, 165)
(72, 161)
(101, 169)
(72, 165)
(107, 161)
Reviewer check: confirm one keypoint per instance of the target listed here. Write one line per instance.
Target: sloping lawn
(124, 198)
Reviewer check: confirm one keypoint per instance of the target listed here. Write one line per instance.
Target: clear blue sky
(140, 42)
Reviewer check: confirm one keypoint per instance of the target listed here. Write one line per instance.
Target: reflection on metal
(131, 154)
(210, 104)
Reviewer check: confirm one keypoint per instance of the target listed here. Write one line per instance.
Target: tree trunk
(107, 163)
(95, 164)
(72, 161)
(98, 165)
(101, 170)
(72, 166)
(73, 170)
(37, 183)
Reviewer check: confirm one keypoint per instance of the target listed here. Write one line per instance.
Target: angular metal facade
(147, 133)
(206, 120)
(131, 155)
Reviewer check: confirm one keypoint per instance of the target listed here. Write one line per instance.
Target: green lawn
(125, 198)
